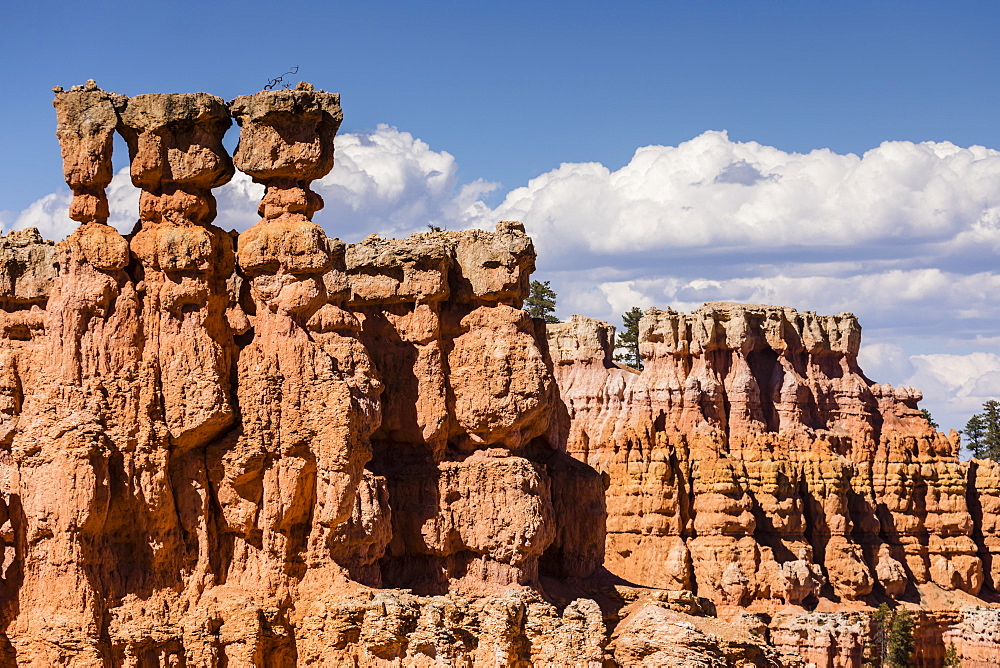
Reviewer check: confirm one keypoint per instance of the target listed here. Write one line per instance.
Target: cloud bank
(385, 181)
(906, 236)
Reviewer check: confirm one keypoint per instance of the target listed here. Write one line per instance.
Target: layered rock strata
(217, 449)
(278, 449)
(754, 463)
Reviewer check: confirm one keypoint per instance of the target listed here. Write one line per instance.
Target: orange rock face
(277, 449)
(218, 450)
(753, 462)
(746, 452)
(482, 498)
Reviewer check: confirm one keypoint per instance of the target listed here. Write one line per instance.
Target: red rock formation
(984, 504)
(86, 121)
(753, 461)
(175, 143)
(279, 449)
(186, 460)
(292, 476)
(74, 405)
(657, 633)
(762, 448)
(480, 497)
(825, 640)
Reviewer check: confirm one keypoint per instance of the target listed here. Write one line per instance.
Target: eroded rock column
(294, 491)
(79, 407)
(468, 394)
(175, 142)
(164, 538)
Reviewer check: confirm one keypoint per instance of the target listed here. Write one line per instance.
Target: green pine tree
(974, 431)
(927, 416)
(628, 340)
(541, 302)
(982, 432)
(951, 658)
(899, 651)
(877, 647)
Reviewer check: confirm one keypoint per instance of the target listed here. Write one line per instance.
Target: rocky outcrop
(392, 627)
(824, 640)
(748, 455)
(277, 449)
(220, 449)
(984, 505)
(752, 461)
(177, 157)
(86, 119)
(976, 637)
(653, 635)
(468, 394)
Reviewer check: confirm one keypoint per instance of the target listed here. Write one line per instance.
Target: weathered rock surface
(825, 640)
(86, 119)
(217, 450)
(976, 638)
(651, 634)
(752, 461)
(277, 449)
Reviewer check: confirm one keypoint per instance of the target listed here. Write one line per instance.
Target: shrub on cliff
(982, 432)
(951, 658)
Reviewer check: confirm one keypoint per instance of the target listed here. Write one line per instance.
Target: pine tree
(541, 302)
(878, 636)
(982, 432)
(899, 651)
(890, 638)
(951, 658)
(927, 416)
(628, 340)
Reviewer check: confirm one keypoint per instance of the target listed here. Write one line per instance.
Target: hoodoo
(277, 449)
(753, 462)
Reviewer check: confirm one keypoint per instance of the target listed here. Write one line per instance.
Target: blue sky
(661, 153)
(514, 88)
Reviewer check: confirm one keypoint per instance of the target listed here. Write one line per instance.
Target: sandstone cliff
(278, 449)
(753, 462)
(274, 448)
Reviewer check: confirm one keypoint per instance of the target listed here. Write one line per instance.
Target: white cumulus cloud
(905, 236)
(956, 385)
(712, 195)
(385, 181)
